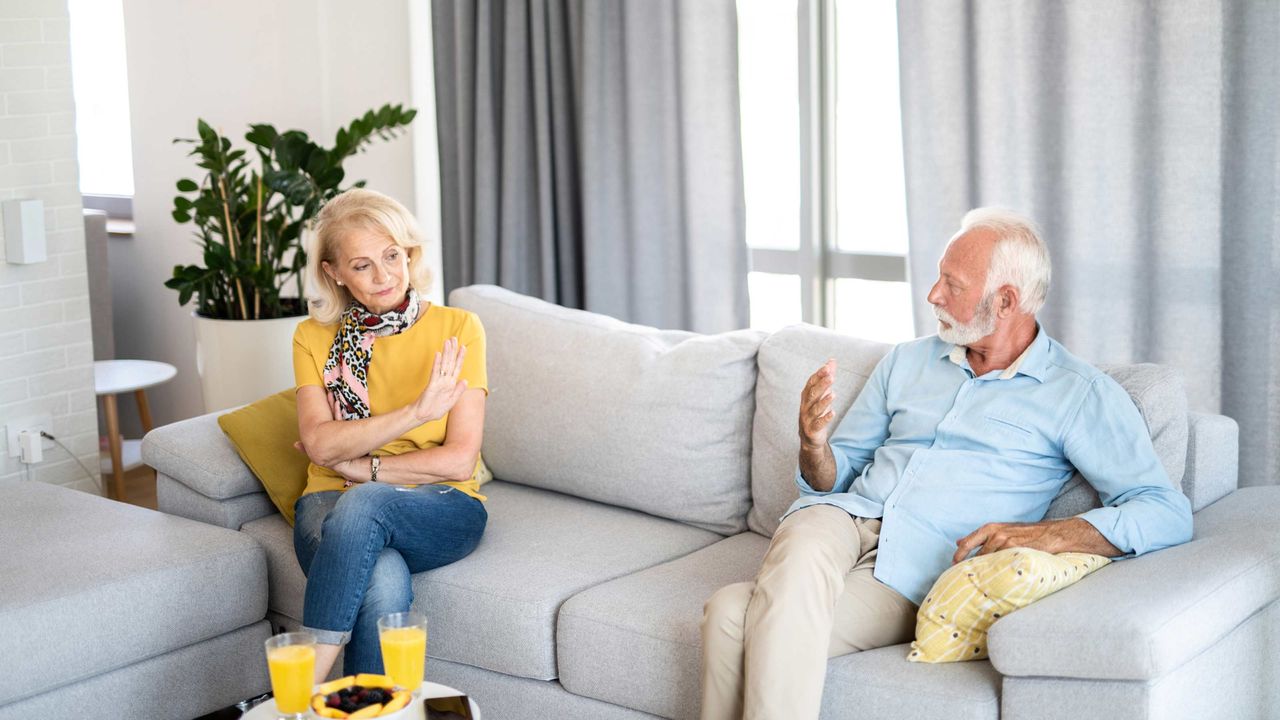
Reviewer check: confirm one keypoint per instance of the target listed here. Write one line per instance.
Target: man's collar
(1033, 362)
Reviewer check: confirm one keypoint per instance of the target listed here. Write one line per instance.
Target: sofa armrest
(196, 453)
(1213, 458)
(174, 498)
(1140, 618)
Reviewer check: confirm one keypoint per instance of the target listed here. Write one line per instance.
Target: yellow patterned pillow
(953, 620)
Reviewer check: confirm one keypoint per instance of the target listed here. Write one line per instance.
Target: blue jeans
(358, 549)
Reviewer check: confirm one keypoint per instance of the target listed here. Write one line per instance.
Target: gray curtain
(590, 155)
(1143, 137)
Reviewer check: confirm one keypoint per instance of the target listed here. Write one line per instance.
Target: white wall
(46, 345)
(306, 64)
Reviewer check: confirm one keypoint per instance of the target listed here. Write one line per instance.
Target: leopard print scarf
(346, 371)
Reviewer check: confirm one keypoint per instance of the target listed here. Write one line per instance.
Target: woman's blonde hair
(361, 209)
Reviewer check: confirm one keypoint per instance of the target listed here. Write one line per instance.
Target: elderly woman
(393, 439)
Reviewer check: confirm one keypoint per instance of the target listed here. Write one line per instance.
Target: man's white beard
(982, 324)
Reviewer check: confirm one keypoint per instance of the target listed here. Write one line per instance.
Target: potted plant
(249, 221)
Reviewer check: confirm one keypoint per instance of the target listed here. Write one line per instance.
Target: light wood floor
(139, 486)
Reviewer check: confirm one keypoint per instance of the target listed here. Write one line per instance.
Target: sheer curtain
(590, 155)
(1143, 137)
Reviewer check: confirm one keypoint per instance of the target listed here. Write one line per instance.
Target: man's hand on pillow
(1051, 536)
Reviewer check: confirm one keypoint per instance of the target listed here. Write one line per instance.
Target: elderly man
(958, 442)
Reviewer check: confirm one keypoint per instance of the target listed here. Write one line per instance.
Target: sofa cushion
(92, 585)
(787, 358)
(652, 420)
(1157, 391)
(648, 623)
(880, 685)
(497, 608)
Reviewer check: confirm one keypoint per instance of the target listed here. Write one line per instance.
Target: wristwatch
(374, 462)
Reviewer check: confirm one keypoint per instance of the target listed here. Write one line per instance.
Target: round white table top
(267, 710)
(119, 376)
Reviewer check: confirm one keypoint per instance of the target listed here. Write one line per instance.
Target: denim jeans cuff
(329, 637)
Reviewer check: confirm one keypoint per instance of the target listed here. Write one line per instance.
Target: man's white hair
(1020, 257)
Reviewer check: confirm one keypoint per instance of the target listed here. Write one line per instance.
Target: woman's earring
(339, 283)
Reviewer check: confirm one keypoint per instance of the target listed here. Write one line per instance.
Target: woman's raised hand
(443, 387)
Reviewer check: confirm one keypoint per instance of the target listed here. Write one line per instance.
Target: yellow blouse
(398, 374)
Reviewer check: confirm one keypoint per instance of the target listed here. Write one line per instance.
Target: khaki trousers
(765, 644)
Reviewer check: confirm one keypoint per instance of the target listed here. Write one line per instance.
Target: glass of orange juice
(404, 648)
(291, 660)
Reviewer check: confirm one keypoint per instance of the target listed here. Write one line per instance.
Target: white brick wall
(46, 347)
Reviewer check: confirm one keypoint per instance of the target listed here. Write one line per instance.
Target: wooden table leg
(113, 436)
(144, 410)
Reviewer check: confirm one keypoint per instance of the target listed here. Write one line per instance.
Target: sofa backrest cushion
(788, 357)
(653, 420)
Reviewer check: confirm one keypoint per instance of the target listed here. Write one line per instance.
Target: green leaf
(262, 135)
(181, 217)
(330, 177)
(317, 162)
(187, 185)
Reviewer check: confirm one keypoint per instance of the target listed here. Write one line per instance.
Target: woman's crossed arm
(331, 442)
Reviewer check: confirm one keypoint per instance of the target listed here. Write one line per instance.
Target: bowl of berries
(360, 696)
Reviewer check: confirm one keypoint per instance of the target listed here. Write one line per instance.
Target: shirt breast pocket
(1013, 437)
(1016, 438)
(1008, 426)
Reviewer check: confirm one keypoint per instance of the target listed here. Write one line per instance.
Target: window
(100, 83)
(823, 168)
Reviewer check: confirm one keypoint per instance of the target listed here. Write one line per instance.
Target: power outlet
(34, 423)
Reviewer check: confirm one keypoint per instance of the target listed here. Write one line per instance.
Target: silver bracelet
(374, 462)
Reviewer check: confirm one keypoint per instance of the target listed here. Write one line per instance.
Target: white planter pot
(240, 361)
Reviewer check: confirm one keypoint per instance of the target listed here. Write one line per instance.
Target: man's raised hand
(816, 407)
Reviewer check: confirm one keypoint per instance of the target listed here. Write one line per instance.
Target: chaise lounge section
(115, 611)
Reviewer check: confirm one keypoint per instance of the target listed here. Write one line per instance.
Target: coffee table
(267, 710)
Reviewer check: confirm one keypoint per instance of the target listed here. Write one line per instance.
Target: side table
(111, 378)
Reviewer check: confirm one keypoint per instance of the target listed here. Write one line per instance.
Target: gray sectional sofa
(639, 470)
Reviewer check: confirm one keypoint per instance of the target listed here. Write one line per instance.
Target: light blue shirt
(937, 452)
